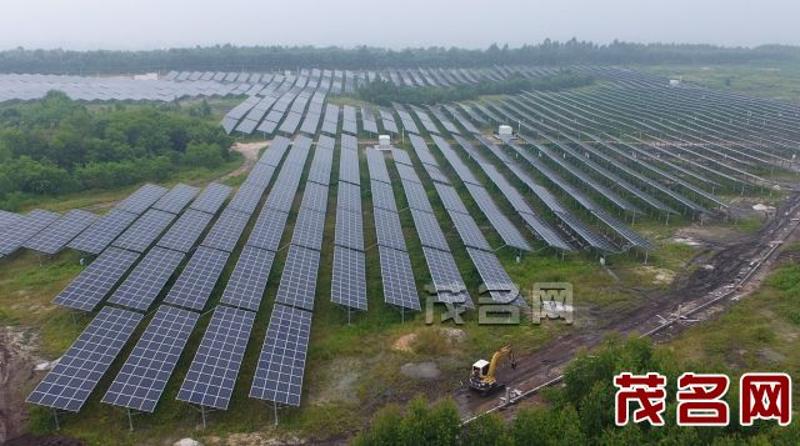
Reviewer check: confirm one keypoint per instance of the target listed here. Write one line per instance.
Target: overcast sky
(146, 24)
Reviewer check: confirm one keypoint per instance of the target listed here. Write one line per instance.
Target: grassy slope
(777, 81)
(759, 333)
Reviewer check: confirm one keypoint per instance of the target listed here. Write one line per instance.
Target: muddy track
(731, 264)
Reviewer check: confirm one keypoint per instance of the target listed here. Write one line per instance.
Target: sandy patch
(660, 276)
(405, 343)
(250, 152)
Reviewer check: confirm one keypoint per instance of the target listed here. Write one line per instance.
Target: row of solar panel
(348, 281)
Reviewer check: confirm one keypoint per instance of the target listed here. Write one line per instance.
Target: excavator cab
(481, 368)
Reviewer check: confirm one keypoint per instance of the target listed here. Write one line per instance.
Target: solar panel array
(103, 231)
(507, 231)
(536, 224)
(15, 235)
(183, 235)
(215, 367)
(281, 365)
(142, 199)
(349, 282)
(143, 232)
(92, 285)
(197, 280)
(399, 288)
(142, 379)
(140, 289)
(72, 380)
(55, 236)
(176, 199)
(225, 233)
(487, 265)
(247, 283)
(447, 282)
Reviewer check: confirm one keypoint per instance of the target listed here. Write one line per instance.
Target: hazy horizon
(151, 24)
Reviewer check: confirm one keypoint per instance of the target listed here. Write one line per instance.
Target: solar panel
(402, 157)
(508, 232)
(377, 166)
(417, 197)
(176, 199)
(72, 380)
(147, 279)
(215, 367)
(348, 196)
(320, 170)
(299, 280)
(399, 288)
(144, 231)
(383, 196)
(9, 219)
(274, 153)
(388, 229)
(212, 198)
(407, 173)
(102, 231)
(53, 238)
(97, 280)
(495, 279)
(349, 142)
(183, 235)
(282, 195)
(349, 231)
(143, 198)
(430, 234)
(281, 365)
(469, 231)
(14, 236)
(246, 199)
(309, 229)
(260, 176)
(268, 229)
(144, 376)
(315, 197)
(197, 280)
(349, 279)
(349, 167)
(226, 230)
(447, 280)
(450, 198)
(246, 285)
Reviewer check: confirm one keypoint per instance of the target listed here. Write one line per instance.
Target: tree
(488, 430)
(205, 155)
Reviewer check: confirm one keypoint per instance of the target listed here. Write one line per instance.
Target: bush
(57, 145)
(203, 155)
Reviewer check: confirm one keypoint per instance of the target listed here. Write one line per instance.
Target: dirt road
(734, 268)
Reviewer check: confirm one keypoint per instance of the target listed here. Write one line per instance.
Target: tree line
(579, 413)
(267, 58)
(382, 92)
(56, 145)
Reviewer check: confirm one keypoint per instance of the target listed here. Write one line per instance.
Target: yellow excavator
(482, 379)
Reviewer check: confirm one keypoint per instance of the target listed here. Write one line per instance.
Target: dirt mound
(16, 372)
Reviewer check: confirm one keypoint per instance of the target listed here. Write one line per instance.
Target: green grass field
(779, 81)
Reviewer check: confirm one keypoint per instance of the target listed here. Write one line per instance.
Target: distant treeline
(57, 145)
(266, 58)
(385, 93)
